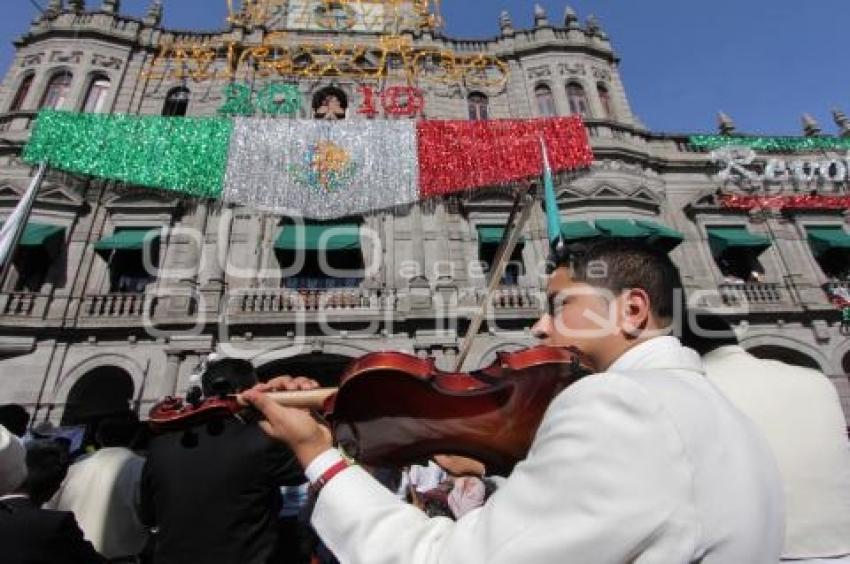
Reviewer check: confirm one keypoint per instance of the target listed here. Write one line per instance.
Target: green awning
(314, 237)
(827, 238)
(37, 234)
(128, 239)
(621, 228)
(721, 239)
(575, 230)
(492, 234)
(665, 236)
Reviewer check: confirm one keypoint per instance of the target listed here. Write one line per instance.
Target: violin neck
(307, 399)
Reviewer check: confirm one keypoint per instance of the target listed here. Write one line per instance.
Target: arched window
(578, 100)
(176, 102)
(605, 100)
(96, 96)
(545, 101)
(21, 94)
(57, 90)
(478, 106)
(330, 103)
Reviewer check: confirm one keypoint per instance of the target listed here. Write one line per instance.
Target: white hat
(13, 462)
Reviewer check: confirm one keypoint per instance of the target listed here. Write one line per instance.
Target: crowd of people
(667, 454)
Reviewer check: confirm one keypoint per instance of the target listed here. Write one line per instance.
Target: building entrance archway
(102, 391)
(324, 368)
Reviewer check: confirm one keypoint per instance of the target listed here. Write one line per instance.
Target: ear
(636, 311)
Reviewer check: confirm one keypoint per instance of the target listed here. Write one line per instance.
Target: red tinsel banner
(799, 202)
(457, 155)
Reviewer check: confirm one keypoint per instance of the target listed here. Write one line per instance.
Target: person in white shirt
(645, 462)
(799, 412)
(102, 490)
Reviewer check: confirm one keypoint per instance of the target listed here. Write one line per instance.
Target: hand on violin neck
(287, 384)
(294, 427)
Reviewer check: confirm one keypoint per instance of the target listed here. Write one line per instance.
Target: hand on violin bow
(296, 427)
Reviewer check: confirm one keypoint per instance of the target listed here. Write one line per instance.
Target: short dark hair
(228, 376)
(15, 418)
(621, 264)
(47, 466)
(117, 430)
(705, 331)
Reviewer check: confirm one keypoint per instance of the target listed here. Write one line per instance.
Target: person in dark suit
(212, 491)
(30, 534)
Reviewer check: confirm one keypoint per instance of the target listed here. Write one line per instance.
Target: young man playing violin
(642, 462)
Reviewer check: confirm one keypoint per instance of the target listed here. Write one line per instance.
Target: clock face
(334, 16)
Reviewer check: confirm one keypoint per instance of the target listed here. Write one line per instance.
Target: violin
(394, 409)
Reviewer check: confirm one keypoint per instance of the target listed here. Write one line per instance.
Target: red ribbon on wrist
(328, 475)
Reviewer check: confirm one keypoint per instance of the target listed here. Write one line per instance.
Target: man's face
(580, 315)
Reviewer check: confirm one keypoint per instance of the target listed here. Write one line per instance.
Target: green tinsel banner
(772, 144)
(188, 155)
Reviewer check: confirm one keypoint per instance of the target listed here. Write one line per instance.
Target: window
(513, 269)
(124, 253)
(545, 101)
(176, 102)
(605, 100)
(331, 253)
(736, 252)
(21, 94)
(330, 104)
(96, 97)
(489, 239)
(578, 100)
(478, 107)
(57, 91)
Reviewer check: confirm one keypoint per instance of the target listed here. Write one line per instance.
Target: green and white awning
(38, 234)
(314, 237)
(131, 239)
(655, 233)
(828, 238)
(721, 239)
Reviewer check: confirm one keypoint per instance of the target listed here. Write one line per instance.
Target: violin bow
(513, 229)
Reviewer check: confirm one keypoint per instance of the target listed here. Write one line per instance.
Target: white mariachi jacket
(647, 463)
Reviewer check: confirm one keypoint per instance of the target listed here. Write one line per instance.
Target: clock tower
(368, 16)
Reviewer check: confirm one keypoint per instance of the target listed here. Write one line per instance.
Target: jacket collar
(658, 353)
(724, 352)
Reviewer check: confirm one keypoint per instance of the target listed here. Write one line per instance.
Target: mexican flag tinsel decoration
(318, 169)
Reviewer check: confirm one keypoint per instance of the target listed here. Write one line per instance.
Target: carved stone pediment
(607, 194)
(142, 201)
(51, 196)
(497, 198)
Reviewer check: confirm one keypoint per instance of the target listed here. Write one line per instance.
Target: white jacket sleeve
(606, 475)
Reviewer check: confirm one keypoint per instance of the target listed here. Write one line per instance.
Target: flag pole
(553, 217)
(13, 228)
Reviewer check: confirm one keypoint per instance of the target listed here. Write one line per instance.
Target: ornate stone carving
(539, 72)
(32, 59)
(60, 57)
(106, 62)
(572, 69)
(601, 74)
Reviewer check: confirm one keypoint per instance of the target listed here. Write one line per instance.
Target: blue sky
(763, 62)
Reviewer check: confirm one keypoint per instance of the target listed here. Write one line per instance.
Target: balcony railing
(21, 304)
(116, 305)
(752, 293)
(281, 301)
(516, 297)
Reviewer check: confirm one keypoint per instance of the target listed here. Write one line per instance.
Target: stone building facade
(76, 340)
